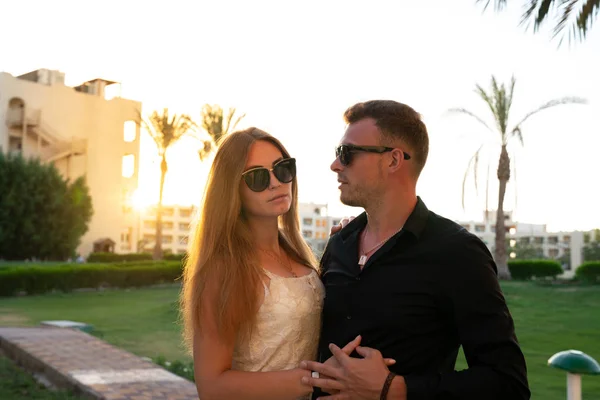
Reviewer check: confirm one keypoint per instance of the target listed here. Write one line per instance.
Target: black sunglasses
(259, 178)
(344, 152)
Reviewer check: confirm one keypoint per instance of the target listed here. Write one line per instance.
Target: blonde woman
(252, 297)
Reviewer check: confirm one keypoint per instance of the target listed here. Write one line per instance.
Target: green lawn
(144, 321)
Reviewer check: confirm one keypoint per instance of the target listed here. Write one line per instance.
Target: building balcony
(16, 117)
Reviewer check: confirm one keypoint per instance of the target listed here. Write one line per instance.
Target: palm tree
(165, 129)
(580, 14)
(499, 100)
(217, 125)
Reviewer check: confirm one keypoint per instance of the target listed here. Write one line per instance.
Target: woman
(252, 297)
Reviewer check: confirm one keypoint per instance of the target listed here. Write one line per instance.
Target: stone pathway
(90, 367)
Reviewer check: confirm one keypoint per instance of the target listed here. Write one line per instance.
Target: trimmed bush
(67, 277)
(113, 257)
(589, 272)
(529, 269)
(174, 257)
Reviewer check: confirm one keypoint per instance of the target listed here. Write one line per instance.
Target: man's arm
(485, 329)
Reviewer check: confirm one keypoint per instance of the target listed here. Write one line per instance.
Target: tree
(499, 101)
(165, 129)
(538, 11)
(42, 215)
(528, 251)
(591, 247)
(217, 124)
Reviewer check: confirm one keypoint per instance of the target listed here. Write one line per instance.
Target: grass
(16, 384)
(142, 321)
(548, 319)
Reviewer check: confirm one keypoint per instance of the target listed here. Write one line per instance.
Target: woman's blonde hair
(222, 251)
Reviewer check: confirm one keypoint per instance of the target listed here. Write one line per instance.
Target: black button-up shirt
(431, 288)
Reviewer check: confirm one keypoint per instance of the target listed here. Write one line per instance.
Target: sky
(294, 67)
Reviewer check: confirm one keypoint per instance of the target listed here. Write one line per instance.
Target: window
(167, 212)
(150, 225)
(167, 239)
(183, 226)
(553, 240)
(129, 131)
(553, 253)
(307, 221)
(539, 240)
(567, 238)
(183, 239)
(149, 238)
(167, 225)
(307, 234)
(185, 212)
(128, 165)
(479, 228)
(318, 222)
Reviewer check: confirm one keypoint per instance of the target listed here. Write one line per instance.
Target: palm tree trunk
(158, 253)
(500, 250)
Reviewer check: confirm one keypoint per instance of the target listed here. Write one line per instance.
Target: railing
(14, 117)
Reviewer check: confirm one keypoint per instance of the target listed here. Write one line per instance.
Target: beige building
(176, 223)
(177, 220)
(82, 133)
(566, 247)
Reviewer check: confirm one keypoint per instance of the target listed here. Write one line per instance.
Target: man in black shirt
(414, 285)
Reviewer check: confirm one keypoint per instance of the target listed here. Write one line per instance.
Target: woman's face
(276, 197)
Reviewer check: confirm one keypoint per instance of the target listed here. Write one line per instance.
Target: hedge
(114, 257)
(589, 271)
(67, 277)
(528, 269)
(131, 257)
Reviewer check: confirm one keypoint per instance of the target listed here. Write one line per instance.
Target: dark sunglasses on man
(345, 151)
(259, 178)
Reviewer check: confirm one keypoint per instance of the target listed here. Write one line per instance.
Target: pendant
(362, 260)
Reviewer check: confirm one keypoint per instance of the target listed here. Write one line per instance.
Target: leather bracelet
(386, 385)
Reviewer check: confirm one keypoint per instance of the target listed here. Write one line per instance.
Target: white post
(573, 386)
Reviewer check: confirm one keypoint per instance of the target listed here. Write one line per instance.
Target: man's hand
(341, 225)
(354, 378)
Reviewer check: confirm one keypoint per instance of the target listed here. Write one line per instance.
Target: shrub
(528, 269)
(67, 277)
(113, 257)
(589, 272)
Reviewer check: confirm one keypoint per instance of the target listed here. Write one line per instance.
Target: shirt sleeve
(496, 365)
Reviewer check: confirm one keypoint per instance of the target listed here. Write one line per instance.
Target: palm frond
(205, 151)
(545, 106)
(498, 4)
(587, 15)
(517, 132)
(469, 113)
(473, 163)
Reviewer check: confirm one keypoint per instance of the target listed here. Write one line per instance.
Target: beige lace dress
(287, 327)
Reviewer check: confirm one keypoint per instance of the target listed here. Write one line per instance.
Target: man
(414, 285)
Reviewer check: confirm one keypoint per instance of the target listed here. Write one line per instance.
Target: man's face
(363, 179)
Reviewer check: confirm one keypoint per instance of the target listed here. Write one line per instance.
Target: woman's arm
(215, 380)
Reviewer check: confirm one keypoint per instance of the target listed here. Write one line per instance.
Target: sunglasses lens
(343, 153)
(257, 180)
(285, 171)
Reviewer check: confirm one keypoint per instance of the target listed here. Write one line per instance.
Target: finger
(351, 346)
(338, 396)
(368, 352)
(389, 361)
(339, 355)
(322, 369)
(323, 383)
